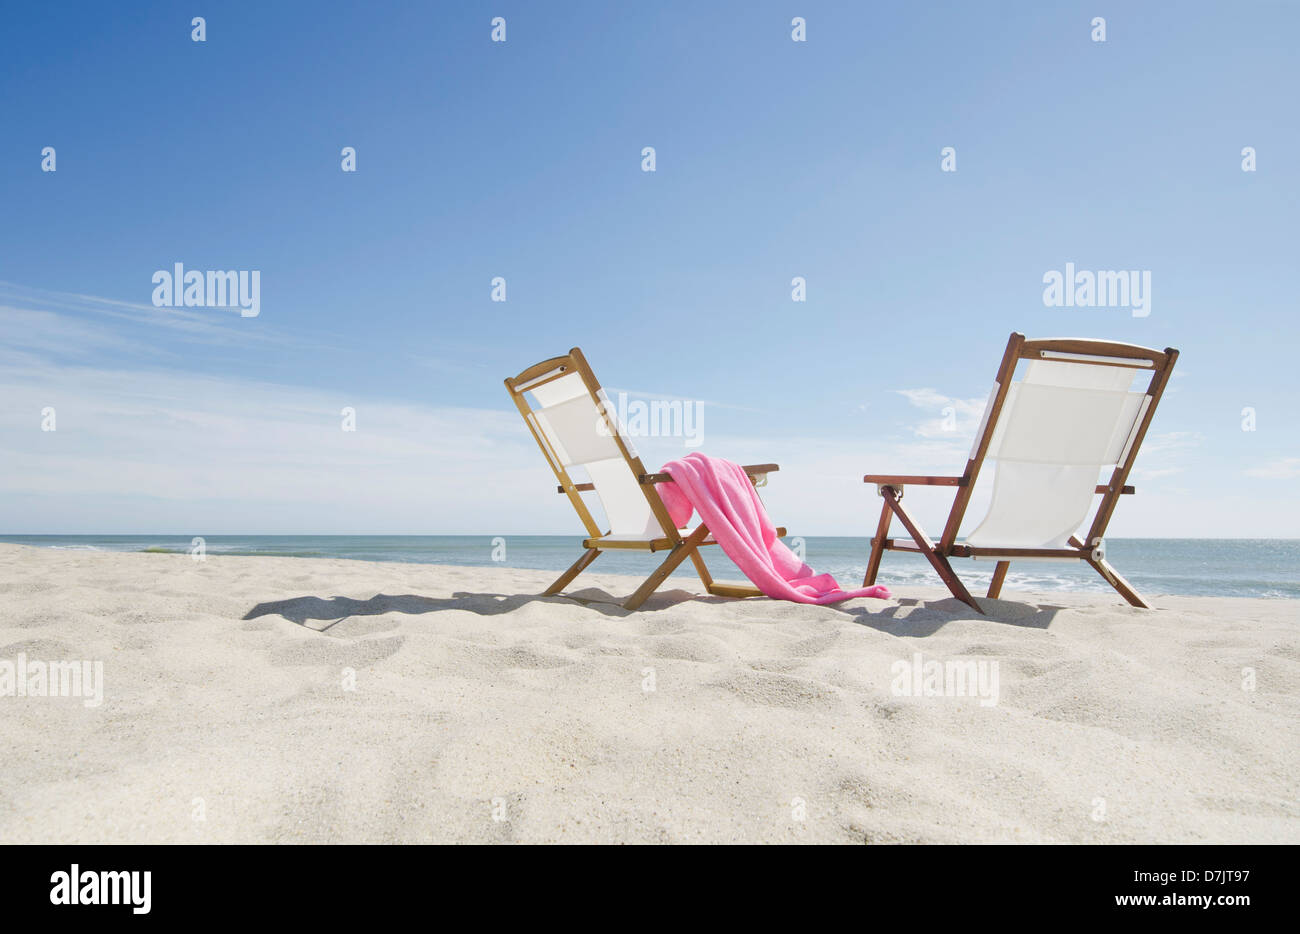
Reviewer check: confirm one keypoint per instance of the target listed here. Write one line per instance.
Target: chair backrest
(1074, 412)
(576, 426)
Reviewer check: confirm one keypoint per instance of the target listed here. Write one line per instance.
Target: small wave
(234, 551)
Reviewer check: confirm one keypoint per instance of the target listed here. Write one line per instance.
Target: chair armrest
(752, 470)
(905, 480)
(902, 480)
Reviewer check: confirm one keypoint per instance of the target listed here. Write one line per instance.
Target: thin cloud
(668, 397)
(1168, 441)
(956, 418)
(73, 316)
(1283, 468)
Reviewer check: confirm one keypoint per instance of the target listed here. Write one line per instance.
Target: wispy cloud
(1166, 442)
(668, 397)
(188, 452)
(1165, 454)
(142, 441)
(63, 321)
(1283, 468)
(954, 417)
(146, 441)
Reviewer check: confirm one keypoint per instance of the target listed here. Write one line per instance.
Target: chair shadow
(926, 617)
(334, 610)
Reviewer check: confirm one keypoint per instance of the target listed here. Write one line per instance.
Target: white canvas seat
(577, 429)
(1052, 435)
(581, 434)
(1059, 427)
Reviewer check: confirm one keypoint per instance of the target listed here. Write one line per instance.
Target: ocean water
(1190, 567)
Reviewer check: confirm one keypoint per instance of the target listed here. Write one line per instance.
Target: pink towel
(725, 499)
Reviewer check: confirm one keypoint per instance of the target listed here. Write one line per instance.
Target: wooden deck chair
(1073, 414)
(576, 426)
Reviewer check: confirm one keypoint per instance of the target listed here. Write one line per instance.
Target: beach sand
(482, 713)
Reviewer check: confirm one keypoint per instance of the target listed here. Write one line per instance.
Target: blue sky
(522, 159)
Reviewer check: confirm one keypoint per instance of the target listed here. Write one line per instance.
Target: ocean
(1191, 567)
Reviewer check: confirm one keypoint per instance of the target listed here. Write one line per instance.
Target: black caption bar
(142, 885)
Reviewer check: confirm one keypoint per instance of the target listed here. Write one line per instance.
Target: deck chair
(577, 427)
(1073, 414)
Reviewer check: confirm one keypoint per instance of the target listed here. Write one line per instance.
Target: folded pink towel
(721, 493)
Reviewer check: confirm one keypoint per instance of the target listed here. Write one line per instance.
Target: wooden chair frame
(679, 547)
(891, 486)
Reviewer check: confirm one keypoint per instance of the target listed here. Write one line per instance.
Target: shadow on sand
(912, 618)
(336, 609)
(907, 617)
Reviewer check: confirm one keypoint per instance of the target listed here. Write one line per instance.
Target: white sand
(223, 697)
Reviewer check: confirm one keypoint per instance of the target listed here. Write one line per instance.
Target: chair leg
(1113, 577)
(740, 591)
(675, 557)
(1116, 580)
(949, 577)
(878, 545)
(937, 561)
(999, 575)
(720, 590)
(574, 570)
(702, 569)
